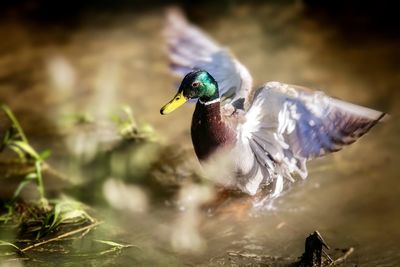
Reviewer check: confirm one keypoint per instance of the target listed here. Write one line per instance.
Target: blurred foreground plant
(49, 214)
(128, 128)
(16, 140)
(47, 221)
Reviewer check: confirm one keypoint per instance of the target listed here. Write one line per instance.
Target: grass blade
(15, 122)
(5, 243)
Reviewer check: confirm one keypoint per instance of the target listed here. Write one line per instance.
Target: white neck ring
(210, 102)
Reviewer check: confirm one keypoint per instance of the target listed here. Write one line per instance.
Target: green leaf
(15, 122)
(19, 151)
(5, 243)
(45, 154)
(68, 210)
(73, 214)
(31, 176)
(38, 166)
(128, 112)
(26, 148)
(20, 187)
(7, 216)
(56, 215)
(7, 137)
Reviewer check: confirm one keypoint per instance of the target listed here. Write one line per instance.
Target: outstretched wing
(287, 125)
(190, 48)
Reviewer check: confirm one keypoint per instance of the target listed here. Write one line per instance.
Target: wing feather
(287, 125)
(189, 48)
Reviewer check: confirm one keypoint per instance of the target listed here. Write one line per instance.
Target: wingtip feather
(384, 117)
(358, 110)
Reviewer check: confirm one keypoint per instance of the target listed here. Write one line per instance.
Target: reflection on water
(350, 197)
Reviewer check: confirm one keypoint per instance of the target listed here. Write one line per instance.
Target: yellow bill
(175, 103)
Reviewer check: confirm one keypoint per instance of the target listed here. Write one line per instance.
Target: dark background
(379, 18)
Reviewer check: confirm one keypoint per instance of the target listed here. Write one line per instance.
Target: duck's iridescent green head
(196, 84)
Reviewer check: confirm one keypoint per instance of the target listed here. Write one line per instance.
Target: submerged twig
(343, 258)
(114, 246)
(62, 236)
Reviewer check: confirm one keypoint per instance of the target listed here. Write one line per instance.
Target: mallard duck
(268, 133)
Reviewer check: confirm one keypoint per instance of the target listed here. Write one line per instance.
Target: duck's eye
(195, 84)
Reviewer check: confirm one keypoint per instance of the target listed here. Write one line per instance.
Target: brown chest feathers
(209, 132)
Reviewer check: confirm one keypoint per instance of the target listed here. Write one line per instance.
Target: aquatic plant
(16, 140)
(47, 221)
(129, 128)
